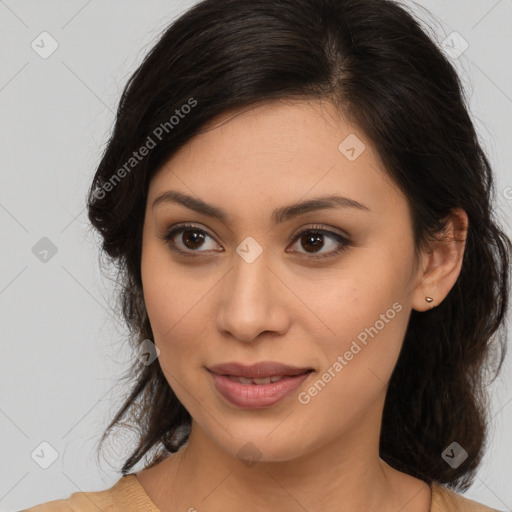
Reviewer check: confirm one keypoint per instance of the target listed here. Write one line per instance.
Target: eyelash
(344, 243)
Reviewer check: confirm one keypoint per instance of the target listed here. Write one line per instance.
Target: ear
(440, 264)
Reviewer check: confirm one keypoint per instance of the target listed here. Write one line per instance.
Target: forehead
(279, 152)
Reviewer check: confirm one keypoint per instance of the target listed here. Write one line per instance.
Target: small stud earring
(430, 299)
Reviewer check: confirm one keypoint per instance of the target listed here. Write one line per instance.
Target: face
(327, 289)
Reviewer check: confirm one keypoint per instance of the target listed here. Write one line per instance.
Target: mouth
(257, 386)
(264, 380)
(264, 372)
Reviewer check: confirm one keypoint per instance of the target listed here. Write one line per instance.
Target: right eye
(186, 245)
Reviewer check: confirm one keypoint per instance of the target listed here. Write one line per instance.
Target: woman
(300, 211)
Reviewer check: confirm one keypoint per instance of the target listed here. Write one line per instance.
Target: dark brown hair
(375, 63)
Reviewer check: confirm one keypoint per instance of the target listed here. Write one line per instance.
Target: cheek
(176, 317)
(359, 359)
(164, 293)
(177, 306)
(365, 314)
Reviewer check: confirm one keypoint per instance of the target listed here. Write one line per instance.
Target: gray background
(63, 344)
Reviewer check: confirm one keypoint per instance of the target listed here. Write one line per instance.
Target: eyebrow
(279, 215)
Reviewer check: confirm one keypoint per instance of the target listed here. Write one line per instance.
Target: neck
(342, 476)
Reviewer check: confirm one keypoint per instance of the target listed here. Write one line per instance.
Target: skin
(287, 307)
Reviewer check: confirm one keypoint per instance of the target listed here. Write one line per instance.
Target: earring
(430, 299)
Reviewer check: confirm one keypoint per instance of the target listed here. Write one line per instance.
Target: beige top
(128, 495)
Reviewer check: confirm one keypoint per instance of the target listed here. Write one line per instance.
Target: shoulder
(447, 500)
(126, 494)
(77, 502)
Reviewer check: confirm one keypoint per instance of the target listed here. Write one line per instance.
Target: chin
(258, 448)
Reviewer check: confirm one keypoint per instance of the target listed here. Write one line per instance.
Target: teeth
(243, 380)
(266, 380)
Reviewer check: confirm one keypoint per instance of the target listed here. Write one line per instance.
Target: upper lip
(256, 371)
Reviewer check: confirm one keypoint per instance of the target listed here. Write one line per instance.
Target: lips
(257, 386)
(262, 370)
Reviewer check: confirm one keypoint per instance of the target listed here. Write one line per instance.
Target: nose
(252, 301)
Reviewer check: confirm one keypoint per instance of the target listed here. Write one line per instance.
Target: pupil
(315, 240)
(194, 241)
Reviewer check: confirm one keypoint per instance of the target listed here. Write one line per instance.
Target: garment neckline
(433, 494)
(141, 491)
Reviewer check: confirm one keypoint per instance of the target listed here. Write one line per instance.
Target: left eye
(312, 237)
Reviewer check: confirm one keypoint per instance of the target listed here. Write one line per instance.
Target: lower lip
(257, 396)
